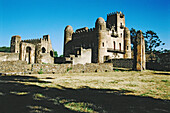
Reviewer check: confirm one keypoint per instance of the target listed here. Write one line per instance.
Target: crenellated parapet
(114, 13)
(84, 31)
(31, 40)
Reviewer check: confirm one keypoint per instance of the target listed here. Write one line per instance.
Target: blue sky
(35, 18)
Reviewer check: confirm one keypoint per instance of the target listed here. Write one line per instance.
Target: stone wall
(23, 67)
(84, 57)
(14, 66)
(9, 56)
(124, 63)
(69, 68)
(46, 58)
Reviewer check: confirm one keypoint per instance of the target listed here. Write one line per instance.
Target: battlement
(114, 13)
(30, 40)
(35, 41)
(79, 31)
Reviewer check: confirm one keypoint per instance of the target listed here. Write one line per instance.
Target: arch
(120, 46)
(51, 53)
(28, 55)
(43, 50)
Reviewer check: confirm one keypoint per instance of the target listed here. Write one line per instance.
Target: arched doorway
(43, 49)
(28, 55)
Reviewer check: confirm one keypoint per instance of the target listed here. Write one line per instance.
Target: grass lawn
(120, 91)
(154, 84)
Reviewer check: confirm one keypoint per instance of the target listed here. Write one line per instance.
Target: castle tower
(116, 20)
(67, 35)
(15, 44)
(127, 43)
(47, 39)
(100, 27)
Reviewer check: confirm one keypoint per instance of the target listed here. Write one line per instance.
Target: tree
(166, 51)
(5, 49)
(61, 56)
(133, 34)
(152, 41)
(55, 54)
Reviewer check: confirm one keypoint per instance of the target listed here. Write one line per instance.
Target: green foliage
(116, 70)
(166, 51)
(152, 41)
(68, 69)
(61, 55)
(40, 72)
(164, 80)
(4, 49)
(55, 54)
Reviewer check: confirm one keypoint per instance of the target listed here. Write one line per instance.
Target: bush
(40, 72)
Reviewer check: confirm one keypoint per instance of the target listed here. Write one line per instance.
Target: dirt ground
(109, 92)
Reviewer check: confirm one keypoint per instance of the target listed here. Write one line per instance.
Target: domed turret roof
(100, 20)
(126, 28)
(68, 28)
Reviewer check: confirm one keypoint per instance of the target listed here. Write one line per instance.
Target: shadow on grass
(162, 73)
(19, 98)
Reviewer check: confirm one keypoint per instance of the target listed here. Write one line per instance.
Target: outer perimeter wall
(23, 67)
(9, 56)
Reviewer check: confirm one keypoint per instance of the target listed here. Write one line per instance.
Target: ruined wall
(14, 66)
(84, 58)
(32, 41)
(124, 63)
(139, 52)
(9, 56)
(23, 67)
(46, 58)
(69, 68)
(27, 55)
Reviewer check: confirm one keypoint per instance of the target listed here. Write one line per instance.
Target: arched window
(100, 27)
(114, 45)
(51, 53)
(120, 46)
(28, 49)
(43, 50)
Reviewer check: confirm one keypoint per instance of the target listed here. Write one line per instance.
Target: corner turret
(15, 44)
(68, 34)
(100, 24)
(127, 43)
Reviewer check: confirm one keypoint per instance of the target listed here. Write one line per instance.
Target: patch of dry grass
(19, 93)
(155, 84)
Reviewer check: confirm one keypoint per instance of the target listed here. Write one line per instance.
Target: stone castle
(109, 39)
(34, 50)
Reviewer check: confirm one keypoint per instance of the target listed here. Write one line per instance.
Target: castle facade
(34, 50)
(109, 39)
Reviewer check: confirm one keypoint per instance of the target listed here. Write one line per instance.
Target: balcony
(114, 34)
(115, 50)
